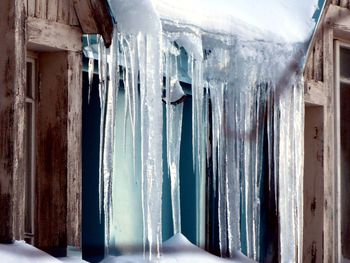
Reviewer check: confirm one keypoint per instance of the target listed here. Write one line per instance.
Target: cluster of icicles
(246, 95)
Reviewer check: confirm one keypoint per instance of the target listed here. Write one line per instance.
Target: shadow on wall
(92, 223)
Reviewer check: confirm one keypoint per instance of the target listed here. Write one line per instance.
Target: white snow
(135, 16)
(289, 20)
(21, 252)
(179, 249)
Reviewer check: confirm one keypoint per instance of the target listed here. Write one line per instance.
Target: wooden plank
(41, 8)
(318, 57)
(315, 93)
(103, 19)
(52, 9)
(94, 18)
(330, 205)
(73, 19)
(74, 148)
(339, 19)
(51, 154)
(343, 3)
(52, 35)
(63, 11)
(31, 8)
(12, 79)
(309, 70)
(313, 185)
(84, 12)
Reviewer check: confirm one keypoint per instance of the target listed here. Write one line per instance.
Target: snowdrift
(21, 252)
(180, 249)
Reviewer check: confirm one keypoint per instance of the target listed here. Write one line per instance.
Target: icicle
(232, 171)
(174, 162)
(174, 113)
(151, 142)
(199, 141)
(103, 98)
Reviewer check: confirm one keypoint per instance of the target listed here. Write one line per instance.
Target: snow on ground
(179, 249)
(21, 252)
(73, 256)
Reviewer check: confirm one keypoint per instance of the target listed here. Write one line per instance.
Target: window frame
(338, 80)
(31, 100)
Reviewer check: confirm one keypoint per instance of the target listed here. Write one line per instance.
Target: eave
(95, 18)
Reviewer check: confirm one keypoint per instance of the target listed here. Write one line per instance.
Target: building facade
(41, 115)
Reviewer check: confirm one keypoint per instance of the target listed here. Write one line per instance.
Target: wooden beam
(73, 19)
(12, 79)
(330, 203)
(344, 3)
(103, 19)
(51, 154)
(94, 18)
(44, 35)
(31, 8)
(41, 8)
(338, 18)
(74, 148)
(52, 10)
(63, 12)
(315, 93)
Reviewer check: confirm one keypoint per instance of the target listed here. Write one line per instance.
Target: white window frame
(31, 100)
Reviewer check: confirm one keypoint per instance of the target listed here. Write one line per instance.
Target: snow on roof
(290, 20)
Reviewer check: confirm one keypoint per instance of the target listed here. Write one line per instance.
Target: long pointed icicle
(174, 129)
(103, 97)
(151, 143)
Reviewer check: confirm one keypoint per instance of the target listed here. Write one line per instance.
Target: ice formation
(247, 98)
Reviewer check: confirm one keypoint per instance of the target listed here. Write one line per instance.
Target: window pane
(345, 62)
(29, 176)
(345, 165)
(29, 91)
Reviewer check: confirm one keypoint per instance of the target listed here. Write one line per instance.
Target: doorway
(313, 184)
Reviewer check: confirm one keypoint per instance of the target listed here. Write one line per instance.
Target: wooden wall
(12, 79)
(313, 183)
(51, 154)
(314, 67)
(320, 91)
(61, 11)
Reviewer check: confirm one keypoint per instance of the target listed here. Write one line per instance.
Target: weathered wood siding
(51, 156)
(313, 185)
(320, 91)
(314, 68)
(12, 79)
(61, 11)
(74, 172)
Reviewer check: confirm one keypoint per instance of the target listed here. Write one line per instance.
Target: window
(342, 97)
(30, 150)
